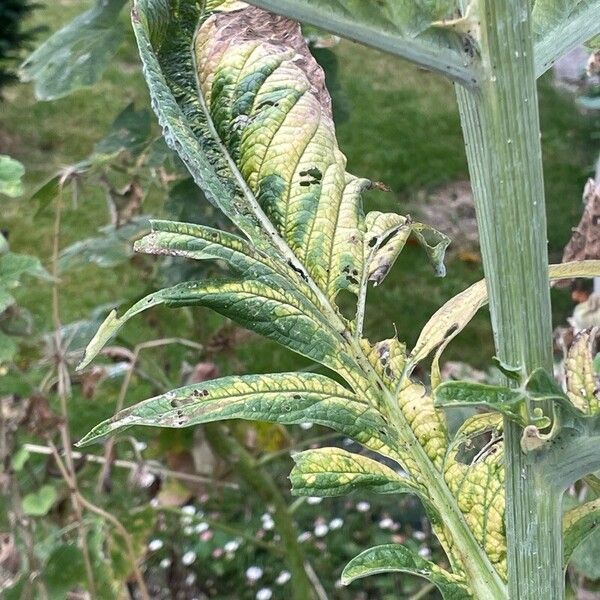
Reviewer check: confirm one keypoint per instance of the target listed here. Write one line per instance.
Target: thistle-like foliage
(244, 104)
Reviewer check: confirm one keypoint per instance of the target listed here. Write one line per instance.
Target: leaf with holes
(286, 398)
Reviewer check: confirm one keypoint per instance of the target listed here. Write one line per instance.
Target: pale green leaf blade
(287, 398)
(77, 55)
(578, 524)
(11, 175)
(334, 472)
(393, 558)
(561, 25)
(401, 28)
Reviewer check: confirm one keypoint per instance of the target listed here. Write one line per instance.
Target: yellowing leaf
(333, 471)
(474, 472)
(580, 375)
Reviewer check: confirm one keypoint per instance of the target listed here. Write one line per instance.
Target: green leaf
(112, 248)
(8, 346)
(11, 174)
(392, 558)
(37, 504)
(288, 398)
(130, 131)
(510, 402)
(64, 571)
(578, 524)
(401, 28)
(19, 458)
(474, 472)
(334, 472)
(77, 55)
(12, 268)
(585, 557)
(560, 26)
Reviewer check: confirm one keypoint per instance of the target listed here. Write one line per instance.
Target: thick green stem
(502, 136)
(266, 489)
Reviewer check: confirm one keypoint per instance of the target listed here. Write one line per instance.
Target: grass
(403, 129)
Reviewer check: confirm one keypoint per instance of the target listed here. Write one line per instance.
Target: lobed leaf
(392, 558)
(287, 398)
(334, 472)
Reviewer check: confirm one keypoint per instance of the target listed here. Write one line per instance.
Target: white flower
(146, 479)
(201, 527)
(336, 523)
(419, 535)
(231, 546)
(305, 535)
(268, 525)
(254, 573)
(283, 577)
(190, 579)
(363, 506)
(186, 520)
(314, 500)
(188, 509)
(425, 552)
(306, 426)
(264, 594)
(155, 545)
(321, 530)
(188, 558)
(386, 523)
(165, 563)
(188, 530)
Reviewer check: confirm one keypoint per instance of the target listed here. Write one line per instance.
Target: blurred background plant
(168, 514)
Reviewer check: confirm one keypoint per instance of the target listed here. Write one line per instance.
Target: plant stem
(502, 138)
(263, 485)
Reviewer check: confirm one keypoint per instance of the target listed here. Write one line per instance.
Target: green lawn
(403, 129)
